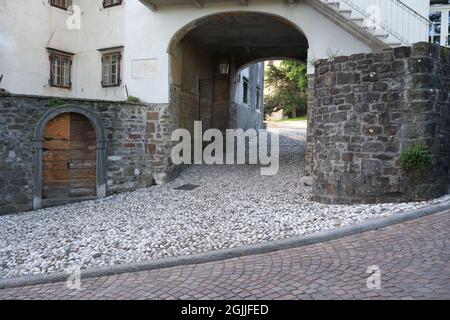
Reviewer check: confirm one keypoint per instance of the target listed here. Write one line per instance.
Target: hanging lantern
(224, 67)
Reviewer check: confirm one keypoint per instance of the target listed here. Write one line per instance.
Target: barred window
(111, 3)
(111, 69)
(245, 85)
(62, 4)
(258, 98)
(60, 70)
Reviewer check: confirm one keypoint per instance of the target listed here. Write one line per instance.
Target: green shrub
(133, 99)
(445, 53)
(416, 158)
(55, 103)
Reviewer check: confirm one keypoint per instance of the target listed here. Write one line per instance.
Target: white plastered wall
(27, 27)
(149, 34)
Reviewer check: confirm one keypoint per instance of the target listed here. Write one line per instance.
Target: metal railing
(392, 16)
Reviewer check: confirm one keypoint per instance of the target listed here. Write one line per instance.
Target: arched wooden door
(69, 158)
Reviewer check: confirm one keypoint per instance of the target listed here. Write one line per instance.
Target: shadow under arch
(200, 91)
(196, 23)
(38, 145)
(279, 58)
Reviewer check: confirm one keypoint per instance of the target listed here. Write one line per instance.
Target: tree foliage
(288, 83)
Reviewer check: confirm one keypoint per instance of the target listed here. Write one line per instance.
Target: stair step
(371, 29)
(395, 44)
(346, 13)
(335, 5)
(381, 36)
(355, 17)
(358, 21)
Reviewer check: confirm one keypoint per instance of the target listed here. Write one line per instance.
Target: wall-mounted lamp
(224, 67)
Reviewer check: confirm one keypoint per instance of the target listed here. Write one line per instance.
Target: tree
(289, 84)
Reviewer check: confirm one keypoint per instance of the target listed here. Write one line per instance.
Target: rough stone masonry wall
(138, 145)
(366, 109)
(309, 153)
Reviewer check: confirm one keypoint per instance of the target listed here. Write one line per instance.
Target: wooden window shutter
(119, 63)
(52, 70)
(70, 72)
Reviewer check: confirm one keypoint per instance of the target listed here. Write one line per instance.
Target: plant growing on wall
(416, 158)
(333, 53)
(55, 103)
(445, 53)
(133, 99)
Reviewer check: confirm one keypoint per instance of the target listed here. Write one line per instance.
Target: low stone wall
(309, 154)
(138, 146)
(366, 109)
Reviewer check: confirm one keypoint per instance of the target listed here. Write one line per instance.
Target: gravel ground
(233, 206)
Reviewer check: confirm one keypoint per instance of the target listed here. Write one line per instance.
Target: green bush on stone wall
(55, 103)
(445, 53)
(416, 158)
(133, 99)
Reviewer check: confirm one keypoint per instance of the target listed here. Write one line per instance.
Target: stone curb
(225, 254)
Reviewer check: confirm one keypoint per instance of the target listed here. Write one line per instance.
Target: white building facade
(111, 49)
(34, 32)
(440, 18)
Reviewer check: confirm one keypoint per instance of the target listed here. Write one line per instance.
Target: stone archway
(39, 139)
(251, 35)
(239, 38)
(362, 111)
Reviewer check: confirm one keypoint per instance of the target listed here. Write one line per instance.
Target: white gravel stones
(233, 206)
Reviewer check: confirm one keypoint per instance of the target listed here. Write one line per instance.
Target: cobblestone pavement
(234, 205)
(414, 259)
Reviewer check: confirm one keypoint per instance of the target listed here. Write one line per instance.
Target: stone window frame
(61, 4)
(107, 76)
(107, 52)
(246, 90)
(258, 98)
(112, 3)
(38, 145)
(64, 57)
(444, 24)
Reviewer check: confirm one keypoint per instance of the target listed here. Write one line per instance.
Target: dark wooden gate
(69, 158)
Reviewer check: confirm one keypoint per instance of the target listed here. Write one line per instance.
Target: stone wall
(138, 148)
(366, 109)
(309, 153)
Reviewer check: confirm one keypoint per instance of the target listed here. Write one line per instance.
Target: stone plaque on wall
(144, 68)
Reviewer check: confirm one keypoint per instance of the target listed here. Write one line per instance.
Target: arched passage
(247, 36)
(69, 156)
(200, 88)
(275, 58)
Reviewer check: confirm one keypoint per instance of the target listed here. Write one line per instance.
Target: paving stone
(423, 243)
(233, 206)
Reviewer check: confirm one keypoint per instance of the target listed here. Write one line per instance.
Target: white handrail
(393, 16)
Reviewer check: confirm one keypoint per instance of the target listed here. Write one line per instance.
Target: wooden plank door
(83, 157)
(56, 157)
(70, 158)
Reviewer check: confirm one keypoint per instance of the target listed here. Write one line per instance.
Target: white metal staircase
(388, 23)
